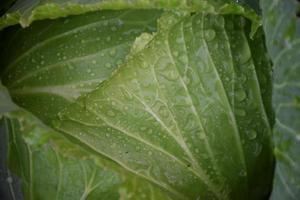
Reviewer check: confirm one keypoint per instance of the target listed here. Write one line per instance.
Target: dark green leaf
(50, 64)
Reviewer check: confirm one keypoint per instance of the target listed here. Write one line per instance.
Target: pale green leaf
(185, 113)
(25, 12)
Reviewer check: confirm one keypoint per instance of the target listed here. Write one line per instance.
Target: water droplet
(9, 179)
(186, 79)
(111, 113)
(163, 112)
(94, 62)
(173, 75)
(112, 52)
(108, 65)
(257, 149)
(243, 78)
(202, 136)
(209, 34)
(242, 173)
(251, 134)
(89, 70)
(70, 67)
(108, 38)
(240, 95)
(180, 41)
(150, 153)
(143, 128)
(66, 21)
(240, 112)
(150, 131)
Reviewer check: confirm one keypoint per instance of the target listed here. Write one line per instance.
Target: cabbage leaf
(186, 112)
(51, 167)
(24, 12)
(282, 28)
(67, 57)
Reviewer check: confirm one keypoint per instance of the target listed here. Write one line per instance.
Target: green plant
(150, 99)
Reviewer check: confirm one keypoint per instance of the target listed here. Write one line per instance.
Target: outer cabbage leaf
(185, 113)
(51, 167)
(6, 104)
(51, 63)
(282, 29)
(47, 173)
(25, 12)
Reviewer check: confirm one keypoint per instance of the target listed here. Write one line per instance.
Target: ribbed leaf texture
(282, 28)
(186, 112)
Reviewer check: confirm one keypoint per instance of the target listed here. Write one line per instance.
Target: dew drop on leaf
(113, 28)
(111, 113)
(143, 128)
(202, 136)
(108, 65)
(240, 95)
(242, 173)
(172, 75)
(251, 134)
(112, 52)
(257, 149)
(240, 112)
(71, 67)
(209, 34)
(9, 180)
